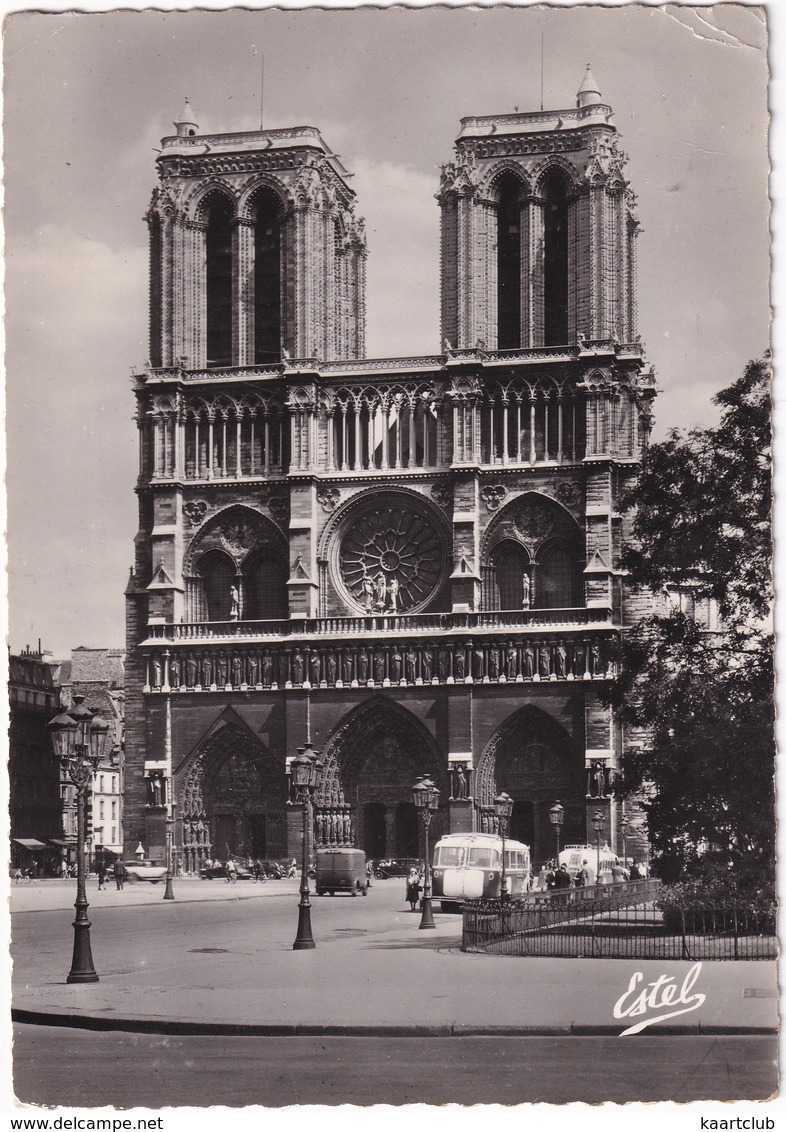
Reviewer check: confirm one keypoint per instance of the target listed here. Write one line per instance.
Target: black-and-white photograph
(389, 557)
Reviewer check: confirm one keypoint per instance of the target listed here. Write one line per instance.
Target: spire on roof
(186, 127)
(588, 93)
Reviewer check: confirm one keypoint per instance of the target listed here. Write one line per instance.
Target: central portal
(371, 764)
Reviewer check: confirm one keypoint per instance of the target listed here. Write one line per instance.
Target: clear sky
(88, 96)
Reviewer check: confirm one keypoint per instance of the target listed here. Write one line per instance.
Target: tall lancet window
(555, 260)
(509, 201)
(267, 279)
(218, 282)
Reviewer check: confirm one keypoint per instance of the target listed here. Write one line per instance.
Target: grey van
(341, 870)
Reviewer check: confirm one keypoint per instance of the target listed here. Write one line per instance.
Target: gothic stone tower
(413, 562)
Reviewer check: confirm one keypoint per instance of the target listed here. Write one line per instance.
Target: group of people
(556, 876)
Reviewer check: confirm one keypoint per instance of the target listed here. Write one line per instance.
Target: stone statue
(207, 672)
(411, 665)
(443, 662)
(234, 599)
(510, 662)
(368, 592)
(393, 595)
(427, 663)
(459, 661)
(529, 661)
(283, 668)
(191, 671)
(316, 667)
(544, 665)
(157, 670)
(395, 666)
(380, 591)
(363, 666)
(222, 671)
(525, 591)
(297, 667)
(561, 659)
(459, 782)
(598, 780)
(237, 671)
(331, 668)
(379, 667)
(349, 667)
(253, 669)
(156, 790)
(578, 659)
(477, 663)
(493, 657)
(597, 661)
(267, 668)
(174, 671)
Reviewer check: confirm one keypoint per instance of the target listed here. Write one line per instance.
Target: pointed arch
(535, 760)
(217, 208)
(232, 798)
(370, 763)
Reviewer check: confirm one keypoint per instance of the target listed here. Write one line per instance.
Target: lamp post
(78, 740)
(170, 824)
(597, 825)
(426, 798)
(557, 818)
(624, 825)
(306, 768)
(503, 808)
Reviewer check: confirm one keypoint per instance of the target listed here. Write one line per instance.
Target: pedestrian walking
(120, 874)
(231, 871)
(369, 873)
(18, 875)
(101, 874)
(413, 888)
(64, 869)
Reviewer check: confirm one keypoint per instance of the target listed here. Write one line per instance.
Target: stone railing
(379, 663)
(392, 624)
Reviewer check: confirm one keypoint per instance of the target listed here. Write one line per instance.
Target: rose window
(391, 559)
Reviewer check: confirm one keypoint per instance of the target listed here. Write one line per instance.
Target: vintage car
(395, 867)
(218, 872)
(145, 869)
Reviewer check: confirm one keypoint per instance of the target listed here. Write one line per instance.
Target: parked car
(145, 869)
(273, 870)
(218, 872)
(395, 867)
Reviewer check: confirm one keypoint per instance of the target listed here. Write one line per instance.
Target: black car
(395, 867)
(218, 872)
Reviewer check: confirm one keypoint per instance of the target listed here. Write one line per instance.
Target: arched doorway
(371, 762)
(233, 800)
(534, 760)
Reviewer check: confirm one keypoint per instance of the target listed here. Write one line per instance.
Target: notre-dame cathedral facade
(411, 562)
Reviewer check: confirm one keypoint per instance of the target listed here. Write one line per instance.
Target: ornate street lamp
(305, 769)
(78, 740)
(426, 797)
(503, 808)
(170, 825)
(597, 825)
(557, 818)
(624, 824)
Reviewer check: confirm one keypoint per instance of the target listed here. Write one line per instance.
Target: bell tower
(538, 230)
(256, 253)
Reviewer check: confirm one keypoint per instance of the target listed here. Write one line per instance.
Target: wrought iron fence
(617, 922)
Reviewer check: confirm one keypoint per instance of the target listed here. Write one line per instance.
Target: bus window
(449, 856)
(483, 858)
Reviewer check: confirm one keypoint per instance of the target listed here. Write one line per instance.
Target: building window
(218, 283)
(555, 260)
(101, 784)
(114, 810)
(509, 262)
(101, 810)
(267, 280)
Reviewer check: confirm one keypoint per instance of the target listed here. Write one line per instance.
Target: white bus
(468, 866)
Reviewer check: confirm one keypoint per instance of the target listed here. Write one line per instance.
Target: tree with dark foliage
(698, 701)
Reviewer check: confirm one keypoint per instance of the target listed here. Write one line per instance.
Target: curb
(316, 1030)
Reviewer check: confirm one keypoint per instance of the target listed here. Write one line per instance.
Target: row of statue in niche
(379, 664)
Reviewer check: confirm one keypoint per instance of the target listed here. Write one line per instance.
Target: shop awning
(29, 843)
(59, 841)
